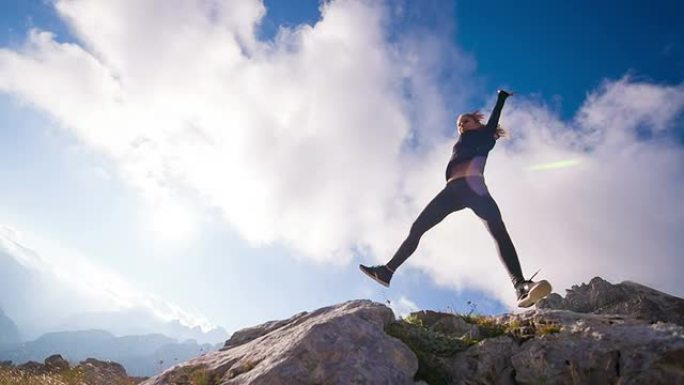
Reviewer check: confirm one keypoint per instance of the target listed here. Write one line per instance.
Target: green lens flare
(555, 165)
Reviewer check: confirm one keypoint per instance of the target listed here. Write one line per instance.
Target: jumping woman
(466, 187)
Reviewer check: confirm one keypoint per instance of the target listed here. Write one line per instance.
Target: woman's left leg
(445, 203)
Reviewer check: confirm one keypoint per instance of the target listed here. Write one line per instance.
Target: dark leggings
(458, 194)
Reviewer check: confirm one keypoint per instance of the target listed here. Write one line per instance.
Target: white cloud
(403, 307)
(303, 140)
(269, 133)
(618, 108)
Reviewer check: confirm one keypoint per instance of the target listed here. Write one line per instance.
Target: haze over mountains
(141, 355)
(42, 295)
(41, 314)
(9, 333)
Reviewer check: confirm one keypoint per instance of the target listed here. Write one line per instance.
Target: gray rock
(55, 363)
(457, 326)
(96, 372)
(553, 301)
(248, 334)
(343, 344)
(446, 323)
(626, 298)
(575, 348)
(486, 363)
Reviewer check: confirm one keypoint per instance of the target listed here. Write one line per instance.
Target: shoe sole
(537, 292)
(373, 276)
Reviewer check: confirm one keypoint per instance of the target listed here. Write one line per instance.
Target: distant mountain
(15, 279)
(141, 355)
(23, 282)
(9, 333)
(137, 322)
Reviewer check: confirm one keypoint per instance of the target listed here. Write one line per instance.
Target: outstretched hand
(505, 93)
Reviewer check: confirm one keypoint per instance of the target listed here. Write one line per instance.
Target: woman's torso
(472, 167)
(469, 154)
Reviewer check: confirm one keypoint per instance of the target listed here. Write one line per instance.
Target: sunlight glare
(172, 221)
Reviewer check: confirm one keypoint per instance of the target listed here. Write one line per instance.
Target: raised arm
(493, 121)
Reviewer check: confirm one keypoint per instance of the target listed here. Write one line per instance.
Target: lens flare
(555, 165)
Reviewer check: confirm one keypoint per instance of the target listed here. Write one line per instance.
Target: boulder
(248, 334)
(96, 372)
(55, 363)
(342, 344)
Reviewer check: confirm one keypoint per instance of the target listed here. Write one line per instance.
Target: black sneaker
(381, 274)
(529, 292)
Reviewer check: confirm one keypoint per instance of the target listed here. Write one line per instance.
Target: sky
(228, 163)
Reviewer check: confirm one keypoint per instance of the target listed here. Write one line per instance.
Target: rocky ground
(599, 333)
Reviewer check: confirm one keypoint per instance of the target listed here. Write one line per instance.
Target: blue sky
(321, 145)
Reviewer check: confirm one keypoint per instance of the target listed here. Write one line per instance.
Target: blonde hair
(478, 117)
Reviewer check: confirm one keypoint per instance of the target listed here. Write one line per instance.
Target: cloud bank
(329, 139)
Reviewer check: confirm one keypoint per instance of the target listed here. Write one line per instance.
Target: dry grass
(11, 376)
(74, 376)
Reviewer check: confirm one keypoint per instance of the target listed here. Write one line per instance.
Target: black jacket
(478, 142)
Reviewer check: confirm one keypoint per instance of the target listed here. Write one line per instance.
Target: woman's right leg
(485, 207)
(445, 203)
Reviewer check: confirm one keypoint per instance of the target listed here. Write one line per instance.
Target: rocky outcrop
(248, 334)
(96, 372)
(563, 347)
(55, 363)
(627, 298)
(33, 367)
(88, 372)
(343, 344)
(360, 342)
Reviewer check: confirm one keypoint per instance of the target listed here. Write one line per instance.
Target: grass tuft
(426, 335)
